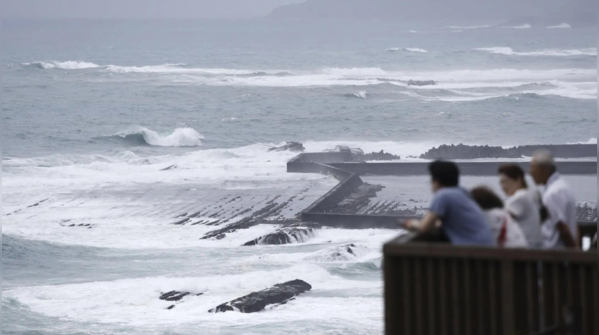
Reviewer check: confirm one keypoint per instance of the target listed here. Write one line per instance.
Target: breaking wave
(561, 26)
(68, 65)
(468, 27)
(359, 95)
(407, 49)
(543, 53)
(181, 137)
(524, 26)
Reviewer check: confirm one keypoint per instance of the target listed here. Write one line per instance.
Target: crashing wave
(359, 95)
(547, 53)
(561, 26)
(68, 65)
(524, 26)
(407, 49)
(468, 27)
(181, 137)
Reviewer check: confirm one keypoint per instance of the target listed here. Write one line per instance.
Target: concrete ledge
(340, 166)
(466, 169)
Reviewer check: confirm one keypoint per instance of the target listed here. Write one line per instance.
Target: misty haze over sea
(112, 128)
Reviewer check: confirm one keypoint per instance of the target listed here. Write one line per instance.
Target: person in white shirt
(560, 230)
(523, 204)
(506, 231)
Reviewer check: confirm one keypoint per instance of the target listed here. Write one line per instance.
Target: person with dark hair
(523, 204)
(560, 229)
(461, 219)
(507, 233)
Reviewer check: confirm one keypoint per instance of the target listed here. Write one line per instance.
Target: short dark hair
(486, 198)
(445, 173)
(514, 172)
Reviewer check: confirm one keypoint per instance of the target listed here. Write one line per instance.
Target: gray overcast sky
(139, 8)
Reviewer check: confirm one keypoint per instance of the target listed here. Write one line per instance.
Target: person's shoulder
(451, 192)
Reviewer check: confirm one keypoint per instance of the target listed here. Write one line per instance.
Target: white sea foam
(524, 26)
(69, 65)
(135, 301)
(547, 53)
(361, 94)
(468, 27)
(407, 49)
(561, 26)
(181, 137)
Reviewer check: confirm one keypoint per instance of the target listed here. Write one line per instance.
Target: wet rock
(282, 236)
(172, 167)
(289, 146)
(376, 156)
(422, 83)
(473, 152)
(257, 301)
(344, 253)
(220, 236)
(176, 295)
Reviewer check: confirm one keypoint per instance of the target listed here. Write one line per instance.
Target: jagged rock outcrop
(287, 235)
(290, 146)
(176, 295)
(257, 301)
(376, 156)
(462, 151)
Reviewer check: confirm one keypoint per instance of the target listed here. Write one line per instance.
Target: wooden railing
(436, 288)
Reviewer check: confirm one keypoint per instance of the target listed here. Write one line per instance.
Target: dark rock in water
(282, 236)
(422, 83)
(257, 301)
(176, 295)
(473, 152)
(344, 253)
(170, 307)
(376, 156)
(220, 236)
(172, 167)
(290, 146)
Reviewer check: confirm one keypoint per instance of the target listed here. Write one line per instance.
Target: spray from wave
(181, 137)
(561, 26)
(543, 53)
(68, 65)
(407, 49)
(524, 26)
(468, 27)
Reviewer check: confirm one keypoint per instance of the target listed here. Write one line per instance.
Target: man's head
(444, 174)
(542, 167)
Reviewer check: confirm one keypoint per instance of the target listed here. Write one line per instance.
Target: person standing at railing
(522, 204)
(507, 232)
(461, 218)
(560, 230)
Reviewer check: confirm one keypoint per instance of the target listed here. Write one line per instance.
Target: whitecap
(524, 26)
(68, 65)
(180, 137)
(542, 53)
(563, 25)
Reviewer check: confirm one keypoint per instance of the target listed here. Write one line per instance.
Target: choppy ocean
(112, 129)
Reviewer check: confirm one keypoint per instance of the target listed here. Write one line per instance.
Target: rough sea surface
(111, 130)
